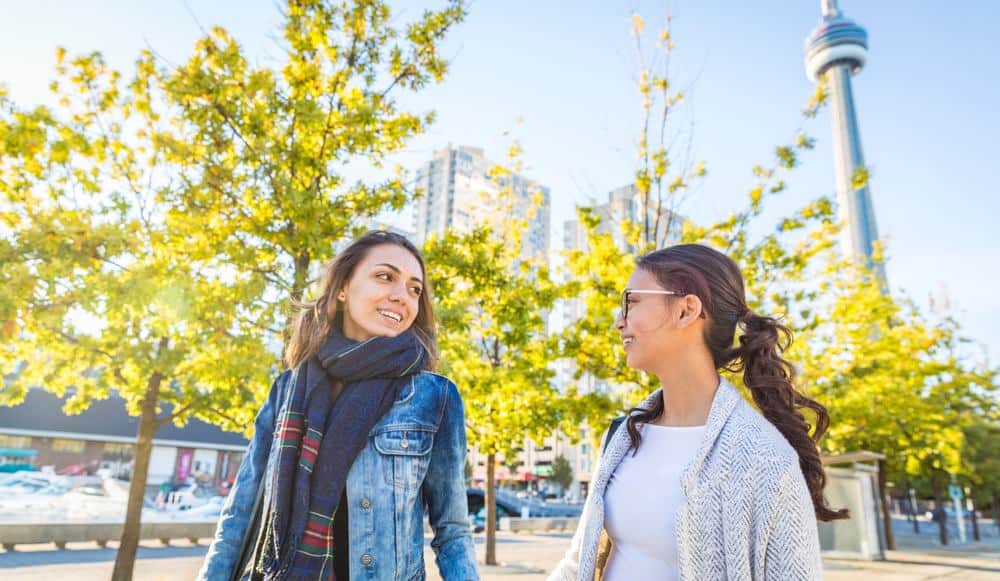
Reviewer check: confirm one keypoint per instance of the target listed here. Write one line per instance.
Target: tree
(981, 463)
(562, 472)
(492, 305)
(891, 377)
(774, 264)
(96, 295)
(157, 229)
(262, 154)
(892, 380)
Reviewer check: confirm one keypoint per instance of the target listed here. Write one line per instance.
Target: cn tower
(838, 48)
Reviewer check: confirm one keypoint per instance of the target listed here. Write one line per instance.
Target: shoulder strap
(615, 423)
(248, 546)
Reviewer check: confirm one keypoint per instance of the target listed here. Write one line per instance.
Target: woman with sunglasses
(357, 441)
(699, 484)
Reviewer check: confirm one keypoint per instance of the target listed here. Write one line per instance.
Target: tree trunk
(890, 538)
(491, 509)
(939, 510)
(300, 278)
(975, 520)
(996, 511)
(125, 558)
(911, 502)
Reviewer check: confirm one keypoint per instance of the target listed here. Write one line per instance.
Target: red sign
(184, 458)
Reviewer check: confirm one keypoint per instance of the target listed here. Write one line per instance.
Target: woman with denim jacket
(356, 440)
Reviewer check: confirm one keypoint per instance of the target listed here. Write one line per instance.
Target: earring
(342, 297)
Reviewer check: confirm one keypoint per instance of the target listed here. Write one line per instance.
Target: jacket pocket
(404, 453)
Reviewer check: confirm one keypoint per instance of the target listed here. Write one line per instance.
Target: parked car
(208, 511)
(27, 482)
(510, 504)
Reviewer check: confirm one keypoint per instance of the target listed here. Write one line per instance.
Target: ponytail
(769, 377)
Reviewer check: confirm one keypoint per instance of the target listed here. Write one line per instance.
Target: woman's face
(648, 335)
(382, 297)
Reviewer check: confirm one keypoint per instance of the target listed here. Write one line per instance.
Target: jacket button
(367, 560)
(365, 503)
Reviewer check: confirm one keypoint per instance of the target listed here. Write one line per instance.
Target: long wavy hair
(317, 317)
(716, 279)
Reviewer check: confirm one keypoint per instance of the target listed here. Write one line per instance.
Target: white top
(642, 501)
(748, 514)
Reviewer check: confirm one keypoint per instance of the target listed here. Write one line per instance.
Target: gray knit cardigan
(747, 514)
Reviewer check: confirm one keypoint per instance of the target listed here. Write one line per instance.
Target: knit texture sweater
(747, 515)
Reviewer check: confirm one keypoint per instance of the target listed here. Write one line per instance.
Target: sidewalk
(529, 558)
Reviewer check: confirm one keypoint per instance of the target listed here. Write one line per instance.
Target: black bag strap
(615, 423)
(249, 544)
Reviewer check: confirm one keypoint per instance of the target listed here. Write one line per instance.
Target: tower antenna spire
(838, 48)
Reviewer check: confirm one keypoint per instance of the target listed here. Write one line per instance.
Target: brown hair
(713, 277)
(317, 317)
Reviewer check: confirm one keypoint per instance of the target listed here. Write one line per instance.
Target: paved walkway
(529, 557)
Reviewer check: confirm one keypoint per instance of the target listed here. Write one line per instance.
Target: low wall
(540, 523)
(12, 534)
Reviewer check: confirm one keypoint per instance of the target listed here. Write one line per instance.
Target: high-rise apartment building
(459, 192)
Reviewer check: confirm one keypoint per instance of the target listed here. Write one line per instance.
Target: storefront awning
(18, 453)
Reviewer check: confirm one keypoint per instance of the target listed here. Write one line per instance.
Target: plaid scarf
(318, 441)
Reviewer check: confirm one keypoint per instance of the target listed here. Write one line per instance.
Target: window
(61, 445)
(20, 442)
(111, 449)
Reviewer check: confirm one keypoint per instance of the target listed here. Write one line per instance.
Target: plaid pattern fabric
(318, 440)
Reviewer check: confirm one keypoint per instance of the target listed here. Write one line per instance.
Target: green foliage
(661, 184)
(493, 300)
(596, 275)
(892, 380)
(775, 264)
(981, 456)
(860, 178)
(562, 472)
(156, 229)
(492, 307)
(161, 225)
(97, 295)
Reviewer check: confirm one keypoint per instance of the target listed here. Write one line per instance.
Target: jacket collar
(725, 401)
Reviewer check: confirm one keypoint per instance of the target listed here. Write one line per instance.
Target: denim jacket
(414, 461)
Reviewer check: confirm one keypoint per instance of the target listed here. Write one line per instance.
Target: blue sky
(926, 103)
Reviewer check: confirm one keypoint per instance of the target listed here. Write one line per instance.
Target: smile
(395, 317)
